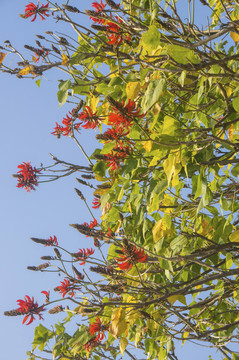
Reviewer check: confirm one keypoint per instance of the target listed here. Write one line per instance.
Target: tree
(165, 175)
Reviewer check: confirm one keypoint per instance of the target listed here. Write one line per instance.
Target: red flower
(68, 127)
(96, 203)
(131, 255)
(91, 344)
(32, 10)
(67, 287)
(51, 241)
(29, 308)
(83, 254)
(91, 120)
(115, 33)
(93, 224)
(114, 159)
(27, 177)
(98, 8)
(124, 114)
(47, 294)
(41, 53)
(99, 328)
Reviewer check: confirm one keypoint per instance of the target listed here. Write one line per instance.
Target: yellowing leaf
(148, 145)
(94, 102)
(230, 131)
(235, 36)
(65, 59)
(2, 56)
(234, 236)
(185, 335)
(118, 324)
(29, 69)
(123, 344)
(161, 228)
(132, 90)
(180, 298)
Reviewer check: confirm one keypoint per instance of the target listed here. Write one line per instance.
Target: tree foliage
(163, 94)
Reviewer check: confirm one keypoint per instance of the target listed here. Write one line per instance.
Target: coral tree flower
(115, 34)
(27, 177)
(67, 286)
(52, 241)
(29, 308)
(96, 203)
(41, 53)
(98, 328)
(83, 254)
(124, 114)
(33, 10)
(99, 7)
(90, 119)
(130, 257)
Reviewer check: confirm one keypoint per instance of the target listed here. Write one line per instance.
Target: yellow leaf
(118, 324)
(29, 69)
(235, 36)
(123, 344)
(234, 236)
(148, 145)
(93, 103)
(65, 59)
(2, 56)
(132, 90)
(185, 335)
(180, 298)
(230, 131)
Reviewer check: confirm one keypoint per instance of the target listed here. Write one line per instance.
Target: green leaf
(65, 85)
(235, 104)
(170, 126)
(62, 96)
(38, 82)
(182, 55)
(153, 93)
(151, 39)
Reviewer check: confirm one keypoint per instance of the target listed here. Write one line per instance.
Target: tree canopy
(160, 93)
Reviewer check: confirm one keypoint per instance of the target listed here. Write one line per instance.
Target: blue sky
(28, 115)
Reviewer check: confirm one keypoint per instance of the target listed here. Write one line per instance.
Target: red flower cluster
(99, 329)
(92, 224)
(83, 254)
(90, 119)
(87, 117)
(124, 114)
(32, 10)
(98, 8)
(96, 203)
(27, 177)
(51, 241)
(114, 159)
(29, 308)
(68, 127)
(114, 32)
(41, 53)
(130, 257)
(67, 286)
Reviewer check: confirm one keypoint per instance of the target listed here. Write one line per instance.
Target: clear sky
(28, 115)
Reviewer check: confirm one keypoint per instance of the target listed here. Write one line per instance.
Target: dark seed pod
(79, 193)
(33, 268)
(57, 252)
(48, 258)
(56, 309)
(112, 4)
(71, 8)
